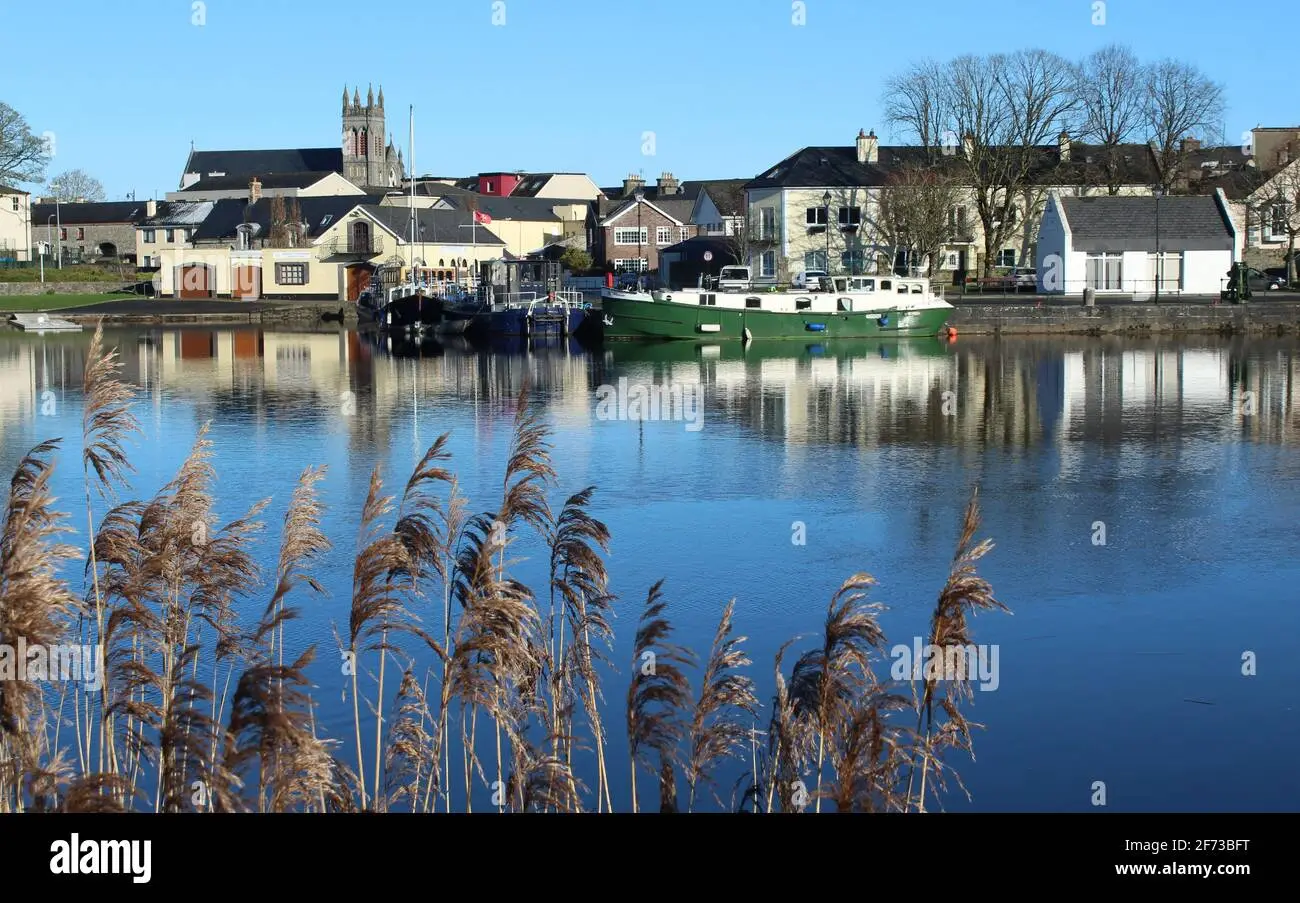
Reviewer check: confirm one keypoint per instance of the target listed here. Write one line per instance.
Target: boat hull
(628, 317)
(521, 321)
(412, 311)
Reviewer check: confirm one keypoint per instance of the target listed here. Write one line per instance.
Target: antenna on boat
(411, 131)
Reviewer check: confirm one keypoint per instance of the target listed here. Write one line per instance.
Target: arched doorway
(107, 249)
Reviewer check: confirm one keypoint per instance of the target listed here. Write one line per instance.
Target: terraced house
(15, 224)
(828, 208)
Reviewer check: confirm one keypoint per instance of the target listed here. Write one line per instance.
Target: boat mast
(411, 132)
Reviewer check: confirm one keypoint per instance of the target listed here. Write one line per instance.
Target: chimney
(868, 146)
(1189, 145)
(254, 190)
(150, 208)
(1063, 142)
(968, 145)
(667, 184)
(631, 184)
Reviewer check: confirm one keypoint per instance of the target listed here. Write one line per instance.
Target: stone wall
(60, 288)
(1126, 319)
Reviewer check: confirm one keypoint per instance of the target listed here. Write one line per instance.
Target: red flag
(480, 217)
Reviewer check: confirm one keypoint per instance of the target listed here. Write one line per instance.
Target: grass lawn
(25, 303)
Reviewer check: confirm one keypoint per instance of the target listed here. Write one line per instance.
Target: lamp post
(826, 206)
(1160, 263)
(640, 196)
(58, 221)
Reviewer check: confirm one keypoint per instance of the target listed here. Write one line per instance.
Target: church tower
(365, 146)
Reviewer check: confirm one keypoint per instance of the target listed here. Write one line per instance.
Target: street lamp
(640, 196)
(826, 206)
(58, 221)
(1160, 263)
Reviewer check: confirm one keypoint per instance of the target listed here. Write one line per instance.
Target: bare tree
(23, 155)
(76, 185)
(1110, 92)
(914, 211)
(1179, 102)
(918, 103)
(1277, 210)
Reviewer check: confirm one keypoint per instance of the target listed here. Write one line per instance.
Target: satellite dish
(708, 255)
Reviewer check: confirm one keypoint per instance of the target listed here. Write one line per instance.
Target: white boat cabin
(834, 294)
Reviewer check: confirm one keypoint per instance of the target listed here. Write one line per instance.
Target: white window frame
(815, 260)
(684, 232)
(1002, 256)
(663, 235)
(1106, 283)
(767, 265)
(1278, 214)
(850, 216)
(767, 223)
(1166, 258)
(621, 236)
(848, 257)
(815, 216)
(631, 264)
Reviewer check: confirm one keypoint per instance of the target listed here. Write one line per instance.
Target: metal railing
(341, 246)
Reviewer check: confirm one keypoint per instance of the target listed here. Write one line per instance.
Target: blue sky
(727, 87)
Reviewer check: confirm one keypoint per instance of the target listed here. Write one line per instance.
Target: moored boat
(840, 307)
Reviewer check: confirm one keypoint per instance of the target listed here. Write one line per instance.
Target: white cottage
(1110, 244)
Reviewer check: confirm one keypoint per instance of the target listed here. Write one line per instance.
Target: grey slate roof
(440, 226)
(247, 163)
(1129, 224)
(319, 213)
(510, 208)
(102, 213)
(5, 189)
(179, 213)
(675, 206)
(268, 180)
(728, 195)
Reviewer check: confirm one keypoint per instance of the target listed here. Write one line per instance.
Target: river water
(1142, 495)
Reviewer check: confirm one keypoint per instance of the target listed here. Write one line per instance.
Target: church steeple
(381, 97)
(356, 97)
(370, 95)
(345, 98)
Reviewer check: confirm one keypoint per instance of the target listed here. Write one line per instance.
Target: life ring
(950, 332)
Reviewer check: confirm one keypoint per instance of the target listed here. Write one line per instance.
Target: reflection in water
(1183, 450)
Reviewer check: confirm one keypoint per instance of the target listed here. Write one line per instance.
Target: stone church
(369, 158)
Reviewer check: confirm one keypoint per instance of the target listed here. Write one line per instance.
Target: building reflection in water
(973, 395)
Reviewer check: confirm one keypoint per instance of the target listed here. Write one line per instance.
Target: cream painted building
(15, 224)
(287, 185)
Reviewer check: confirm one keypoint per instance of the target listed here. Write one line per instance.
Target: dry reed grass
(199, 713)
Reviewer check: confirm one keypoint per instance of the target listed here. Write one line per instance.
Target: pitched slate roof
(510, 208)
(5, 189)
(728, 195)
(677, 207)
(439, 226)
(103, 213)
(268, 180)
(179, 213)
(228, 214)
(247, 163)
(1129, 223)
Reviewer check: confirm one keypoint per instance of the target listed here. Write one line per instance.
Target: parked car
(1025, 278)
(810, 279)
(734, 278)
(1265, 281)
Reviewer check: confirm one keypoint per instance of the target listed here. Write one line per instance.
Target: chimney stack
(667, 184)
(868, 147)
(631, 184)
(1189, 145)
(150, 208)
(254, 190)
(1063, 142)
(968, 145)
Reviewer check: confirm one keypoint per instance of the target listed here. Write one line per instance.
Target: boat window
(802, 303)
(844, 304)
(902, 288)
(884, 285)
(704, 299)
(917, 290)
(753, 302)
(841, 285)
(713, 300)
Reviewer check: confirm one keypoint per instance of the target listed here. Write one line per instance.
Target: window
(1007, 257)
(81, 233)
(631, 264)
(149, 237)
(949, 261)
(63, 234)
(916, 290)
(767, 265)
(767, 223)
(663, 235)
(1105, 272)
(902, 288)
(1170, 274)
(170, 235)
(863, 285)
(854, 262)
(957, 220)
(291, 274)
(753, 303)
(15, 203)
(802, 303)
(487, 187)
(684, 233)
(1278, 221)
(886, 284)
(631, 236)
(815, 260)
(815, 216)
(850, 217)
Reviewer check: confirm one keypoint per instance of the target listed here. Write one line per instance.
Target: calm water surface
(1121, 662)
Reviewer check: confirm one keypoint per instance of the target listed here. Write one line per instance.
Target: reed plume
(657, 696)
(717, 730)
(826, 681)
(964, 594)
(35, 609)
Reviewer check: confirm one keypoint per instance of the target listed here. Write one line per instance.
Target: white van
(734, 278)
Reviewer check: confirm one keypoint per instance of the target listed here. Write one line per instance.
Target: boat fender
(816, 327)
(950, 332)
(882, 321)
(748, 335)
